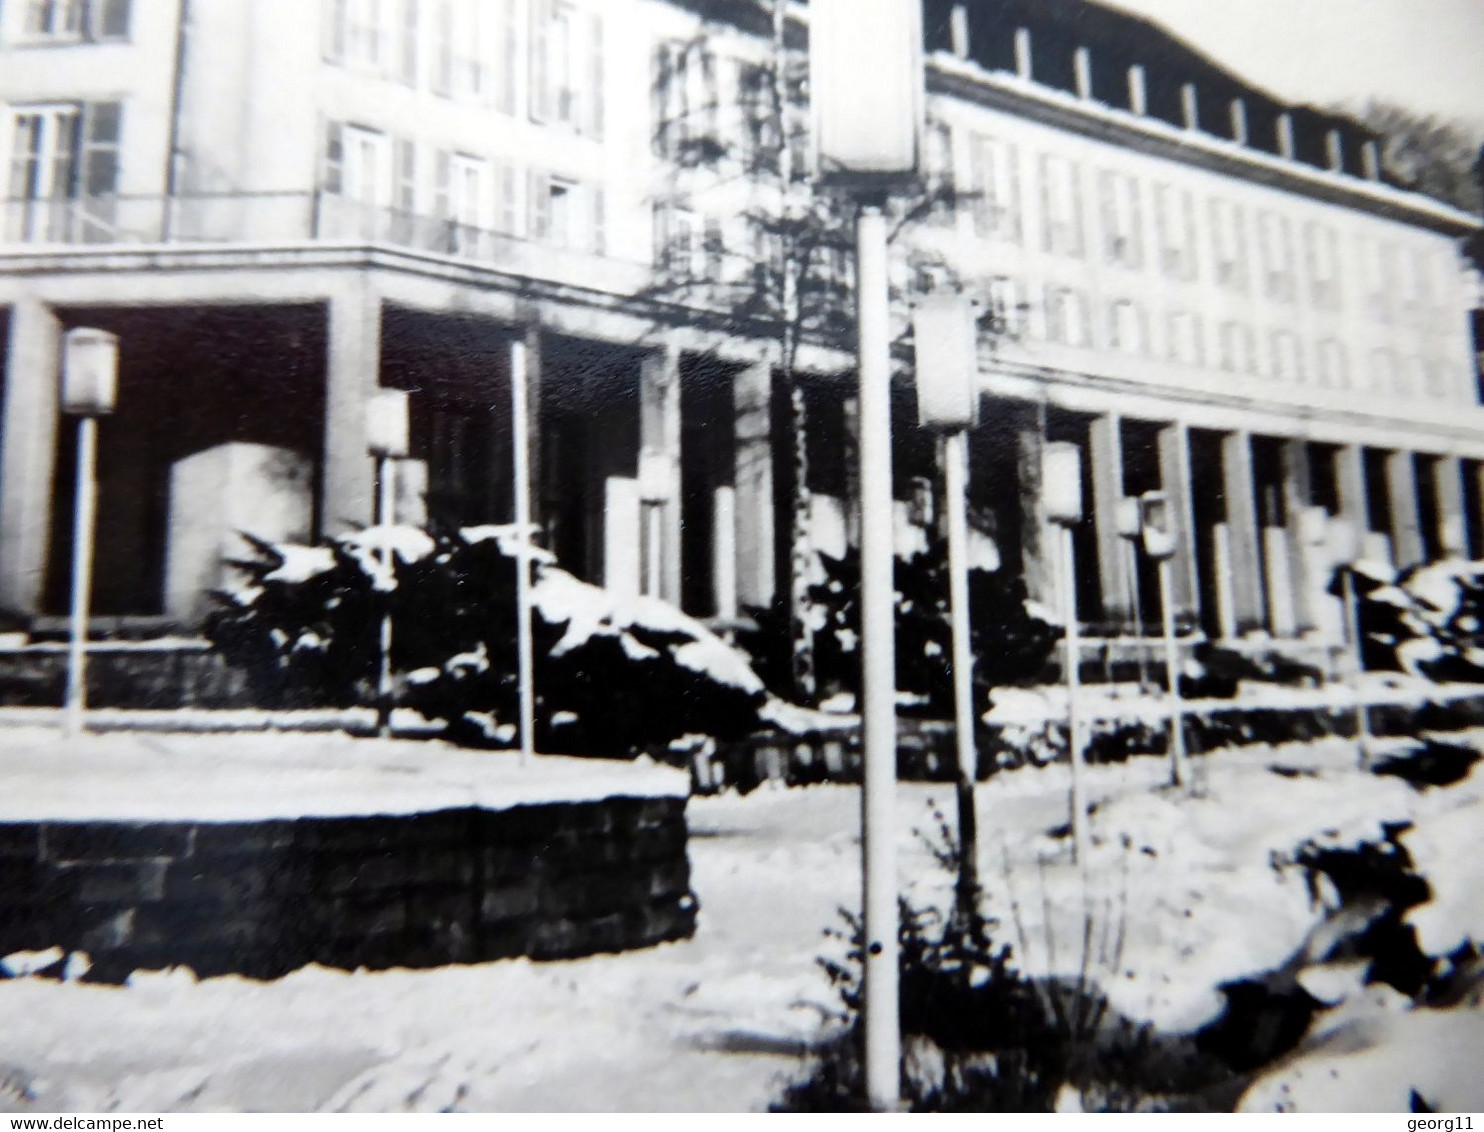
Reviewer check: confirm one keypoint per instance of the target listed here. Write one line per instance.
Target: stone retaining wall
(263, 898)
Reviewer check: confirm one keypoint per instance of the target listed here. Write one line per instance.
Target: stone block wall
(264, 898)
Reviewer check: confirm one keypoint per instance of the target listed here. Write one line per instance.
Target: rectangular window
(1334, 370)
(1238, 354)
(1288, 356)
(1275, 238)
(686, 100)
(1186, 344)
(995, 183)
(67, 21)
(358, 164)
(1386, 372)
(1322, 248)
(1007, 305)
(363, 33)
(938, 162)
(1175, 218)
(1122, 219)
(1229, 238)
(507, 205)
(1379, 273)
(409, 55)
(405, 175)
(759, 136)
(1126, 327)
(1066, 316)
(598, 233)
(63, 172)
(1062, 203)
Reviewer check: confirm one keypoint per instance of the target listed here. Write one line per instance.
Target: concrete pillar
(1242, 524)
(1138, 91)
(1038, 546)
(659, 437)
(1285, 136)
(1406, 524)
(958, 30)
(753, 478)
(1190, 107)
(1297, 492)
(1106, 454)
(1453, 531)
(1024, 67)
(352, 375)
(28, 454)
(1239, 121)
(1175, 481)
(1351, 485)
(1082, 65)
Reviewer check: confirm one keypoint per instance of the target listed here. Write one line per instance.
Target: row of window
(1290, 258)
(1281, 354)
(402, 179)
(470, 49)
(43, 22)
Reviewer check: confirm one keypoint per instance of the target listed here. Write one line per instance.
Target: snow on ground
(258, 775)
(1197, 888)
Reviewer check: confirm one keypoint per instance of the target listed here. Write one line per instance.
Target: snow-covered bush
(1010, 644)
(613, 676)
(1427, 620)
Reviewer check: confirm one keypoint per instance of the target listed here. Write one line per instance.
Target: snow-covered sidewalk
(1200, 889)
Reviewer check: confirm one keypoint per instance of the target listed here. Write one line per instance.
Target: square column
(1038, 557)
(1297, 492)
(1175, 481)
(753, 481)
(1249, 609)
(1351, 486)
(28, 453)
(1453, 531)
(1106, 454)
(352, 375)
(659, 441)
(1406, 524)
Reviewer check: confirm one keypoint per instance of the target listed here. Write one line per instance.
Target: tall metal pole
(525, 649)
(1076, 740)
(83, 521)
(1178, 761)
(878, 664)
(1138, 604)
(956, 486)
(386, 494)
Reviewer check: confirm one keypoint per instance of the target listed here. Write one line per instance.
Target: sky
(1424, 54)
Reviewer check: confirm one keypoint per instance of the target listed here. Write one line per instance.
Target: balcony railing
(296, 218)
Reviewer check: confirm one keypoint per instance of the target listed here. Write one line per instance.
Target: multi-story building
(281, 207)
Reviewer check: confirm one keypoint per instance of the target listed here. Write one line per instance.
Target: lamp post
(1061, 492)
(1130, 524)
(1160, 542)
(1343, 543)
(866, 95)
(520, 423)
(386, 440)
(89, 391)
(946, 364)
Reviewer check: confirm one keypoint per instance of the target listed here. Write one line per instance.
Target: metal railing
(295, 217)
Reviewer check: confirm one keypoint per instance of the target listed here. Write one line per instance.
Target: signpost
(89, 391)
(866, 93)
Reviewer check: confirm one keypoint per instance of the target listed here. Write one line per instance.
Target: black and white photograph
(742, 556)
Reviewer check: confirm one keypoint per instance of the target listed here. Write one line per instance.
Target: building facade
(280, 208)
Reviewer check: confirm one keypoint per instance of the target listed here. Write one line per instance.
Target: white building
(280, 207)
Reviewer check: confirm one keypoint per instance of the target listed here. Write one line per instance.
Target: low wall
(126, 674)
(262, 898)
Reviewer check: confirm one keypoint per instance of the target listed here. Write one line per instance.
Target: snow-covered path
(1197, 888)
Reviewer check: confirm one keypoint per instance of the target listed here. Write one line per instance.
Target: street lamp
(1130, 523)
(866, 96)
(946, 347)
(1160, 543)
(89, 391)
(386, 440)
(1343, 544)
(1061, 493)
